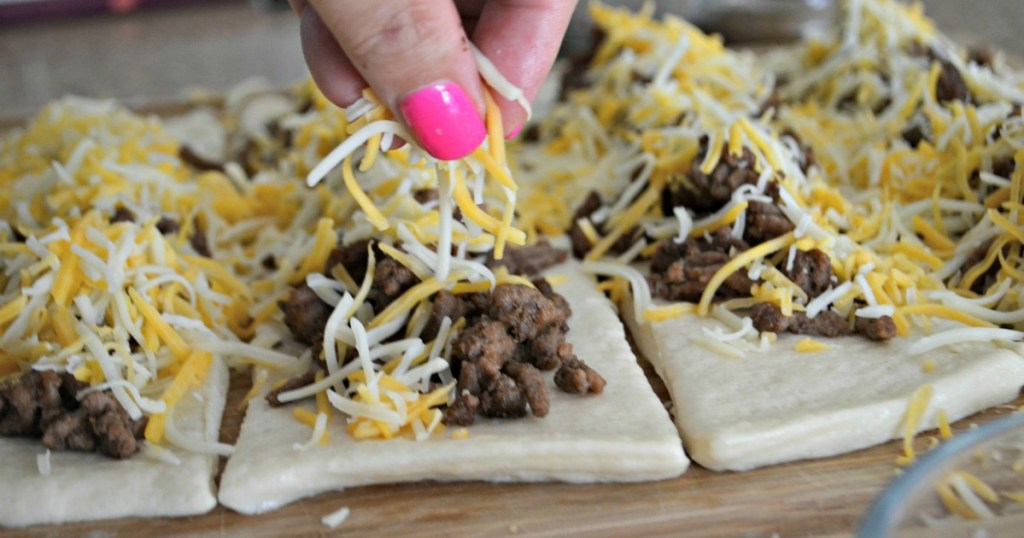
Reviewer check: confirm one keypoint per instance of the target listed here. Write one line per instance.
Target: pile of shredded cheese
(126, 308)
(141, 313)
(897, 222)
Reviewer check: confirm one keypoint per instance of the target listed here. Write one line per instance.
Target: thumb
(416, 56)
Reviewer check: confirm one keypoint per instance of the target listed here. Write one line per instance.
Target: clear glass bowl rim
(884, 514)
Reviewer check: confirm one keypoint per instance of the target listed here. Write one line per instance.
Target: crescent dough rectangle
(781, 405)
(622, 435)
(88, 486)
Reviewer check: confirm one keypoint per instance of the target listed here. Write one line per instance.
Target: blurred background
(147, 52)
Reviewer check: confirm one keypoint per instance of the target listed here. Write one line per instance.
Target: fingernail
(513, 133)
(444, 120)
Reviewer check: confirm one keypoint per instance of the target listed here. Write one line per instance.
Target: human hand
(416, 56)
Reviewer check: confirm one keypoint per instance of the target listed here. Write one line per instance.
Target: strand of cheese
(359, 195)
(192, 371)
(736, 263)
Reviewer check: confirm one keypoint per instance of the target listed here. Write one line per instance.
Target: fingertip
(513, 117)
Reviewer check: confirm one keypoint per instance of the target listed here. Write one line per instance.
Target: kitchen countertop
(152, 56)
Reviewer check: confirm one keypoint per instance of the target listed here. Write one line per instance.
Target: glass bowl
(971, 486)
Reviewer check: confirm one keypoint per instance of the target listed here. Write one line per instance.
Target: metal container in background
(765, 21)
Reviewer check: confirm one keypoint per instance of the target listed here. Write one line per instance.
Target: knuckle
(418, 27)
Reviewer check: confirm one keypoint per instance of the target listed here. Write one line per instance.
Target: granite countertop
(154, 56)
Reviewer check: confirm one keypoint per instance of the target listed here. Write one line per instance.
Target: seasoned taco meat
(951, 85)
(512, 334)
(390, 280)
(122, 214)
(576, 377)
(706, 193)
(199, 241)
(681, 271)
(525, 312)
(529, 260)
(305, 314)
(769, 318)
(878, 329)
(45, 405)
(446, 305)
(532, 385)
(581, 245)
(353, 257)
(811, 272)
(167, 226)
(765, 221)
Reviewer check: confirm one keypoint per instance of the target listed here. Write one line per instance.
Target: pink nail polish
(444, 120)
(513, 133)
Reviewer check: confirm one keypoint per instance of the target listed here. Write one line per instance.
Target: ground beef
(951, 85)
(768, 318)
(512, 334)
(878, 329)
(529, 260)
(390, 280)
(811, 271)
(199, 241)
(462, 411)
(1003, 167)
(720, 241)
(503, 399)
(354, 257)
(531, 383)
(122, 214)
(294, 383)
(197, 161)
(706, 193)
(305, 314)
(487, 344)
(269, 262)
(544, 287)
(548, 350)
(914, 135)
(576, 377)
(982, 55)
(45, 405)
(681, 271)
(167, 226)
(425, 195)
(580, 244)
(525, 311)
(765, 221)
(445, 305)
